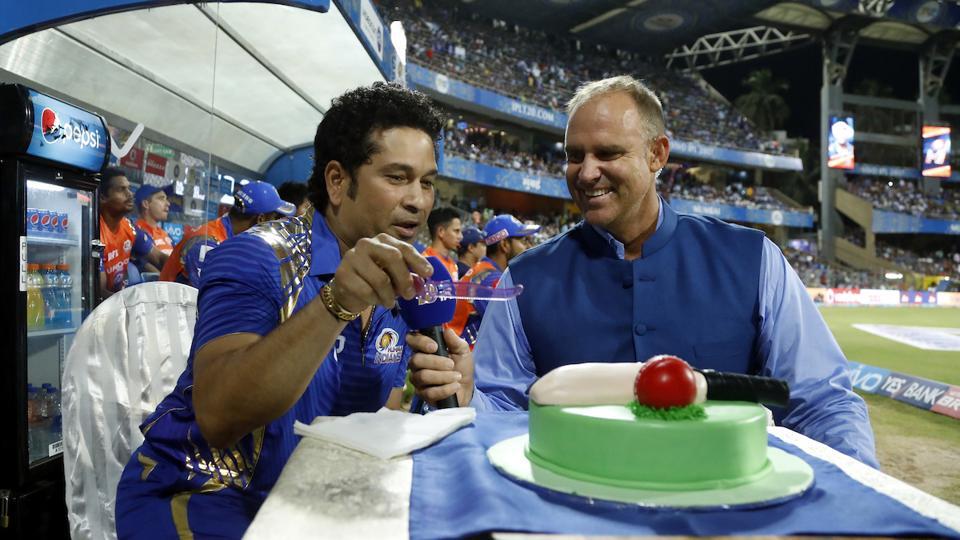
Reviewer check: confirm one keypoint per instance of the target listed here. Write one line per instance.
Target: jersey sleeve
(194, 257)
(142, 242)
(240, 290)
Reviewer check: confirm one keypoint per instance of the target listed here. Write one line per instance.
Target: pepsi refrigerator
(49, 153)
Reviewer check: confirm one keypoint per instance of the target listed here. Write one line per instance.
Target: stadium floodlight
(398, 36)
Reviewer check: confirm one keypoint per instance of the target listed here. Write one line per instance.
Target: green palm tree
(764, 104)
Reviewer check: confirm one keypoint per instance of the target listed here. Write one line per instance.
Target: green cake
(608, 445)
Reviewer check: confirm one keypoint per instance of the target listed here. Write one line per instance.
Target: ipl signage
(729, 212)
(894, 222)
(422, 77)
(698, 150)
(488, 175)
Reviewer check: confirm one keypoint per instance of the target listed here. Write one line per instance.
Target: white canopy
(266, 76)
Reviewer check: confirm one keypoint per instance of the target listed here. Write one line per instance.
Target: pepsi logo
(55, 129)
(54, 220)
(45, 220)
(34, 218)
(50, 126)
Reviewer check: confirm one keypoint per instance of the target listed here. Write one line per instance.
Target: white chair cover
(127, 356)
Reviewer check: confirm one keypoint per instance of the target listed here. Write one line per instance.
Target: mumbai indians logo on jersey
(389, 347)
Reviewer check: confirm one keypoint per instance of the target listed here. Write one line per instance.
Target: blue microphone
(428, 319)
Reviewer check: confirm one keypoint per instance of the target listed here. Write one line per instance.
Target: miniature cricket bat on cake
(662, 381)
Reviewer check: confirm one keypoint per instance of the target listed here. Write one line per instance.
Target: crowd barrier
(730, 212)
(922, 393)
(881, 297)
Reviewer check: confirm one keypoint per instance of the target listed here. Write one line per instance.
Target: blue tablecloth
(456, 493)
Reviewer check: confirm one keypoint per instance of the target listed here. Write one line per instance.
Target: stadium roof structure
(695, 34)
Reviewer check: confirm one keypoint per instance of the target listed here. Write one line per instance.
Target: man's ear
(505, 246)
(659, 153)
(337, 180)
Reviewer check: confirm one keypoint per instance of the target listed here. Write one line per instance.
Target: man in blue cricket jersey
(295, 321)
(637, 279)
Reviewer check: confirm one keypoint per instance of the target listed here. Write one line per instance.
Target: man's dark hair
(441, 217)
(293, 192)
(106, 179)
(345, 133)
(463, 247)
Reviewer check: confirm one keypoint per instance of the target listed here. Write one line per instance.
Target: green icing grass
(670, 414)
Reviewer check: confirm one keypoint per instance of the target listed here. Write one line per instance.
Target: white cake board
(789, 477)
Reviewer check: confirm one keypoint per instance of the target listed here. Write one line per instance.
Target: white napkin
(387, 433)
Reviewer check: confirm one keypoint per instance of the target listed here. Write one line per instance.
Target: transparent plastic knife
(428, 291)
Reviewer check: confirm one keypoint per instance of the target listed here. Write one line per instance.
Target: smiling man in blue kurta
(295, 321)
(637, 279)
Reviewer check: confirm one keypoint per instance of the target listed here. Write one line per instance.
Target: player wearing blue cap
(471, 250)
(294, 322)
(637, 279)
(254, 202)
(504, 237)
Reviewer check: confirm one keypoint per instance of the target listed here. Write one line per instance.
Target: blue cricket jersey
(252, 283)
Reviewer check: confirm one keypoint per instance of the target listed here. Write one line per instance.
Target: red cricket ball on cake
(665, 381)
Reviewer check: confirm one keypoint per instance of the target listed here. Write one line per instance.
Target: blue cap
(261, 198)
(506, 226)
(145, 192)
(471, 235)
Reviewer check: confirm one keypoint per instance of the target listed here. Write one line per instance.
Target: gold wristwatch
(334, 307)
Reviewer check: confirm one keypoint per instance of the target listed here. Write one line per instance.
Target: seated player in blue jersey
(637, 279)
(295, 321)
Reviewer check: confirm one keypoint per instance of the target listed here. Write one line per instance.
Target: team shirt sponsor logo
(389, 347)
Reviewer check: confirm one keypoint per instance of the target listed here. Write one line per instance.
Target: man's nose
(589, 169)
(416, 198)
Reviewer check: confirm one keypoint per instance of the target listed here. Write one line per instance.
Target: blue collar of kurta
(324, 249)
(666, 225)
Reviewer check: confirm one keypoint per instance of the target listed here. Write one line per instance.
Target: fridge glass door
(58, 226)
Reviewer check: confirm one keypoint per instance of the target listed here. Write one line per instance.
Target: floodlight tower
(839, 43)
(934, 63)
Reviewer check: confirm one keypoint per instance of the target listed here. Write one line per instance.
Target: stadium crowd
(939, 262)
(817, 273)
(679, 183)
(906, 197)
(497, 148)
(543, 69)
